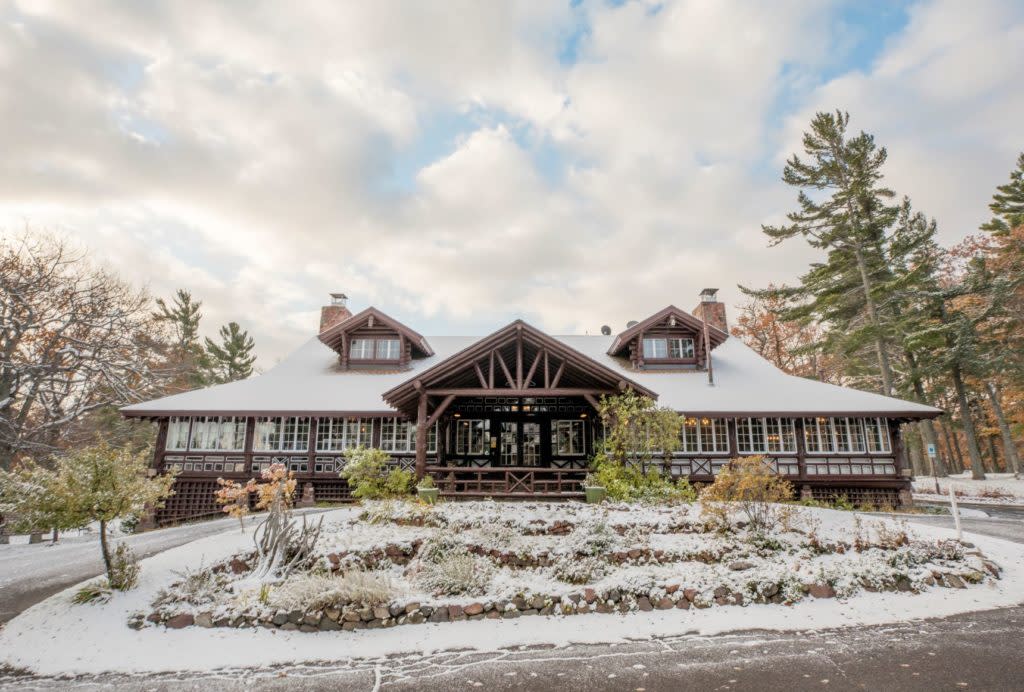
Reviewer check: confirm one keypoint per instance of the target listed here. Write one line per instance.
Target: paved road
(979, 651)
(30, 573)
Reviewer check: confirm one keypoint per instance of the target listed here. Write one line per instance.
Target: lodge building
(514, 414)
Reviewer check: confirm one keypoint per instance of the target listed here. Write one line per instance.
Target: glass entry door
(508, 443)
(531, 444)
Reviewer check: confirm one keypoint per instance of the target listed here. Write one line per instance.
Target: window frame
(571, 424)
(662, 347)
(695, 427)
(783, 428)
(200, 431)
(290, 429)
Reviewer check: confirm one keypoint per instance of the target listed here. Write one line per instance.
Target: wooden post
(421, 437)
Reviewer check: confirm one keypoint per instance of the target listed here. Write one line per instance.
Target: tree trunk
(954, 454)
(105, 548)
(977, 465)
(993, 454)
(956, 448)
(927, 425)
(880, 346)
(916, 459)
(1009, 447)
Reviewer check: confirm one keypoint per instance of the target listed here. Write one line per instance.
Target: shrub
(427, 482)
(593, 537)
(455, 574)
(575, 570)
(93, 592)
(319, 591)
(753, 487)
(195, 587)
(124, 568)
(627, 483)
(367, 475)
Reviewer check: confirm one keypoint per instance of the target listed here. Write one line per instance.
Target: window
(668, 349)
(289, 434)
(388, 349)
(337, 434)
(567, 437)
(877, 430)
(846, 435)
(471, 437)
(361, 349)
(400, 436)
(218, 433)
(680, 348)
(655, 348)
(397, 435)
(704, 435)
(765, 435)
(177, 434)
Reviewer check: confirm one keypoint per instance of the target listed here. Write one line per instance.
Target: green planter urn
(429, 495)
(595, 494)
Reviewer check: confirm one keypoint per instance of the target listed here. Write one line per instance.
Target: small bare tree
(281, 545)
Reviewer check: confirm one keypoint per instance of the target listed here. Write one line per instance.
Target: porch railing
(507, 481)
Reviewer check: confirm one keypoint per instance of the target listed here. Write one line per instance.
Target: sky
(461, 164)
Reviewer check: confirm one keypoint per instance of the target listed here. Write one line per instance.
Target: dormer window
(661, 348)
(388, 349)
(376, 349)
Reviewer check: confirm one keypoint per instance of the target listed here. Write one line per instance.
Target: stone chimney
(334, 313)
(710, 310)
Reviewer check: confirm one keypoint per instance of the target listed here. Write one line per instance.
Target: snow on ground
(997, 488)
(56, 637)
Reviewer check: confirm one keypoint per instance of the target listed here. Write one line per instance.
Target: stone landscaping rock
(289, 626)
(822, 591)
(412, 608)
(473, 609)
(329, 625)
(537, 602)
(155, 618)
(238, 566)
(311, 619)
(671, 588)
(439, 615)
(741, 565)
(665, 603)
(280, 618)
(954, 582)
(455, 612)
(396, 610)
(690, 594)
(332, 613)
(683, 604)
(296, 616)
(204, 620)
(308, 628)
(381, 613)
(179, 621)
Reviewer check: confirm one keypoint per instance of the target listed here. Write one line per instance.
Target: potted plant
(427, 490)
(595, 493)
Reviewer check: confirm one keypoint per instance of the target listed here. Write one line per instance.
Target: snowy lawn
(665, 566)
(997, 488)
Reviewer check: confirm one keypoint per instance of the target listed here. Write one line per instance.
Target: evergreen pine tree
(1008, 203)
(232, 359)
(849, 224)
(185, 353)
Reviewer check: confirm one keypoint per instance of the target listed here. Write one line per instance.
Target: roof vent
(606, 330)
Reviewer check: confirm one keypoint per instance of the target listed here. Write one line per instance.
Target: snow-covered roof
(310, 381)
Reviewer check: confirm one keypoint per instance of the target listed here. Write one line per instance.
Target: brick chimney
(710, 310)
(334, 313)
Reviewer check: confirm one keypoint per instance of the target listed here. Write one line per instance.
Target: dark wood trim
(421, 436)
(532, 391)
(441, 408)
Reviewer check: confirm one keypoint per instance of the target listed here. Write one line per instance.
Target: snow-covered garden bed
(633, 570)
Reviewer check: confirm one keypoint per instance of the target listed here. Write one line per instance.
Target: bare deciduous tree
(73, 338)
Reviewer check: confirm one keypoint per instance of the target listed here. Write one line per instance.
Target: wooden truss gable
(371, 321)
(518, 360)
(670, 318)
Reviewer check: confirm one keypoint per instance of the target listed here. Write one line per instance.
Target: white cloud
(249, 153)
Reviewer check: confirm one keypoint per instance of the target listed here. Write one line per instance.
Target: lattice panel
(876, 497)
(192, 499)
(331, 491)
